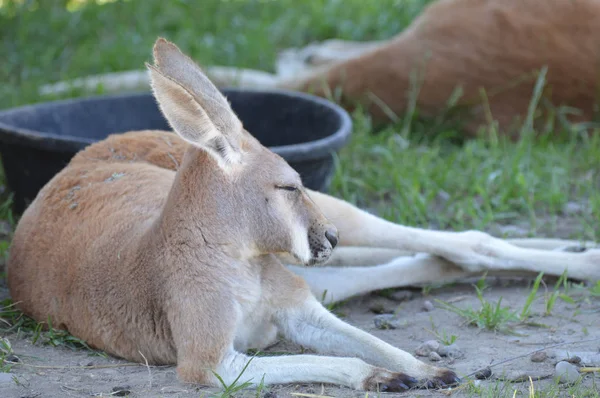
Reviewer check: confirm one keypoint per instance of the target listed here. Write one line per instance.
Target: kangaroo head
(248, 193)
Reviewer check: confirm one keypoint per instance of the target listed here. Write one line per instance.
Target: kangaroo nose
(332, 237)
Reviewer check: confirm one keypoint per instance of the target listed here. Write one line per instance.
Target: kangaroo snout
(332, 236)
(322, 240)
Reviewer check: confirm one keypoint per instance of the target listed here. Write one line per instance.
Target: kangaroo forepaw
(386, 381)
(447, 379)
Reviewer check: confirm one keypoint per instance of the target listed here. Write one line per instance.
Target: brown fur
(161, 148)
(497, 46)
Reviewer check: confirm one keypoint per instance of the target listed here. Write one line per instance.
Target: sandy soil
(60, 372)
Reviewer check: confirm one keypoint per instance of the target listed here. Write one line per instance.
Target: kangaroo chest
(255, 328)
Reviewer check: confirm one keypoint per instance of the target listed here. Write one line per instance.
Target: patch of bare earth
(45, 371)
(60, 372)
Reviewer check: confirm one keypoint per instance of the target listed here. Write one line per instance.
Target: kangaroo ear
(193, 106)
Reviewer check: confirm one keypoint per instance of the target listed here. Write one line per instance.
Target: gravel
(539, 356)
(386, 321)
(427, 348)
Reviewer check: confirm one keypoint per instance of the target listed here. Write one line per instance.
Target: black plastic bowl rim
(304, 151)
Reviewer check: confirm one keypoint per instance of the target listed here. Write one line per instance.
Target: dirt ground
(61, 372)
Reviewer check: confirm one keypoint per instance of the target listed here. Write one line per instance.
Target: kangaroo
(484, 56)
(492, 51)
(181, 267)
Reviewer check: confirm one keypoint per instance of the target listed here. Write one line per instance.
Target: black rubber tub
(37, 141)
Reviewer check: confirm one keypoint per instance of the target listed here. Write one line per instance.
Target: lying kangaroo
(179, 267)
(491, 51)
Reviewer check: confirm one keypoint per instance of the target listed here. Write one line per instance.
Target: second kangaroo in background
(483, 56)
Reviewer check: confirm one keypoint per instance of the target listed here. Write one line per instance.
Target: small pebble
(428, 306)
(401, 295)
(172, 390)
(270, 394)
(566, 372)
(520, 376)
(427, 348)
(121, 391)
(451, 351)
(386, 321)
(12, 358)
(434, 356)
(443, 195)
(575, 360)
(539, 356)
(483, 374)
(380, 308)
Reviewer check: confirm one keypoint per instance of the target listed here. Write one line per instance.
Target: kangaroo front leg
(350, 372)
(311, 325)
(204, 346)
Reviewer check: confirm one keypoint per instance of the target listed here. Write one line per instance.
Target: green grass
(490, 315)
(500, 389)
(5, 352)
(229, 390)
(526, 311)
(443, 336)
(493, 316)
(14, 322)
